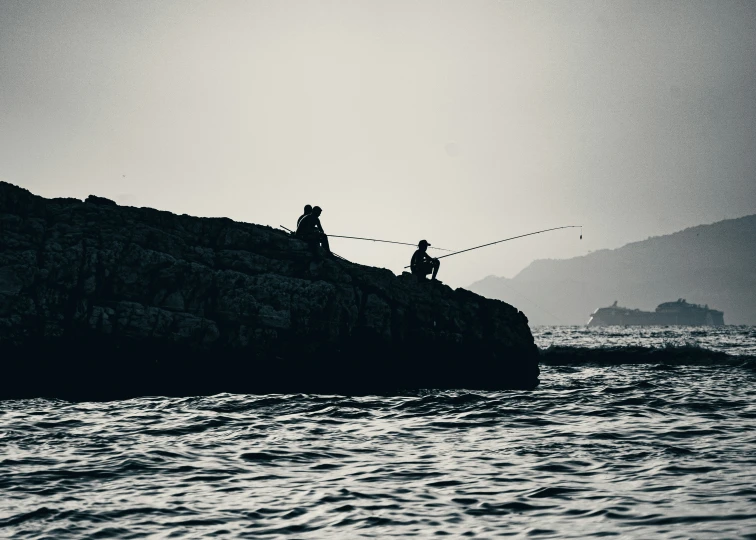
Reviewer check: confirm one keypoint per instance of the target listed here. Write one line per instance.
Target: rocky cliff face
(99, 301)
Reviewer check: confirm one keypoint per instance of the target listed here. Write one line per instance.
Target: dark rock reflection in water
(638, 451)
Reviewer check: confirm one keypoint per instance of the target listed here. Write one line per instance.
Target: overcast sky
(460, 122)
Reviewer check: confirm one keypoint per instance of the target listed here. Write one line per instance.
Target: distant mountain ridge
(708, 264)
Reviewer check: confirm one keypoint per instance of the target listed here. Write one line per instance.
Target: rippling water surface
(638, 451)
(733, 340)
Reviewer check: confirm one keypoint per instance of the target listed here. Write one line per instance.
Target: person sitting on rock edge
(311, 230)
(307, 212)
(423, 264)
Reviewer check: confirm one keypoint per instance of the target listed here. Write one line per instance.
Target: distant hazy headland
(708, 264)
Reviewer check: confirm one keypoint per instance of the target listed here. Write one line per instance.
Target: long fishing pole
(513, 238)
(332, 253)
(371, 240)
(385, 241)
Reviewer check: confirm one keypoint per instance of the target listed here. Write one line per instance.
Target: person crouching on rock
(422, 264)
(311, 230)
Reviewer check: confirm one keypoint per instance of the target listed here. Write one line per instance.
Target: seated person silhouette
(307, 211)
(423, 264)
(311, 230)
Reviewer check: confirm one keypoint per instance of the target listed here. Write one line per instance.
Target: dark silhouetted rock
(94, 199)
(99, 301)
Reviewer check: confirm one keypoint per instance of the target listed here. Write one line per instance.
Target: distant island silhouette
(712, 264)
(100, 301)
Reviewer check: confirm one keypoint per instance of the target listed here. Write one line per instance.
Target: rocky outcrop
(100, 301)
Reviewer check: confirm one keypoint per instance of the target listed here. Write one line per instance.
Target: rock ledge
(100, 301)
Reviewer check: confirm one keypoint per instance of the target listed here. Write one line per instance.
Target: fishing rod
(369, 239)
(332, 253)
(385, 241)
(513, 238)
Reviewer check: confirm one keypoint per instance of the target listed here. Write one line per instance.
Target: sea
(633, 433)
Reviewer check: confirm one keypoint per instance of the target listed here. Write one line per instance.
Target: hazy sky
(460, 122)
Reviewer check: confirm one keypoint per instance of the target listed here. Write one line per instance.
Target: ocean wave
(650, 452)
(673, 355)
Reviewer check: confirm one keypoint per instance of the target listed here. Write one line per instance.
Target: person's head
(423, 245)
(317, 211)
(308, 208)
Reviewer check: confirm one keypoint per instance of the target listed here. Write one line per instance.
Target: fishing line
(513, 238)
(370, 239)
(386, 241)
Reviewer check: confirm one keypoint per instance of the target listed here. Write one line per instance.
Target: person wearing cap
(422, 264)
(310, 229)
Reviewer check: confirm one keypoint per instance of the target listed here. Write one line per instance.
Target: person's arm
(318, 226)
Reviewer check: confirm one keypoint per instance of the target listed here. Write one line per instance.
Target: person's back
(307, 211)
(308, 225)
(311, 230)
(418, 258)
